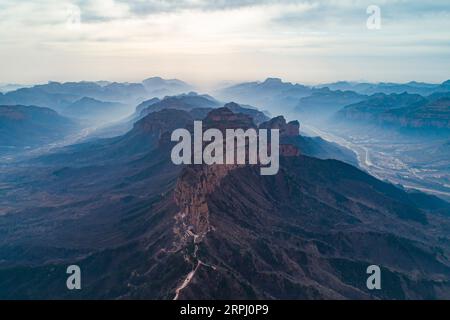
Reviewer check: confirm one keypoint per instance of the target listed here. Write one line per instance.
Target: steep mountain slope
(137, 142)
(144, 228)
(95, 110)
(144, 105)
(22, 126)
(277, 237)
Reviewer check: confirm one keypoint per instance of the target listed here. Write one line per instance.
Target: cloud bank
(203, 41)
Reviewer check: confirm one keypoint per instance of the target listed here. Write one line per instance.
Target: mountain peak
(273, 81)
(162, 81)
(231, 105)
(290, 129)
(224, 118)
(87, 99)
(162, 121)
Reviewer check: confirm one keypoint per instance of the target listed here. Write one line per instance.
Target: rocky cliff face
(162, 121)
(285, 236)
(290, 129)
(289, 132)
(223, 118)
(308, 232)
(197, 182)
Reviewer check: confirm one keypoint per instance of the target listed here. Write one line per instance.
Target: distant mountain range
(95, 111)
(158, 87)
(7, 87)
(402, 110)
(272, 94)
(58, 95)
(278, 96)
(323, 103)
(414, 104)
(188, 101)
(101, 99)
(412, 87)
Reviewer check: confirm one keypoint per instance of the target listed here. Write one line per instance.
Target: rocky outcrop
(162, 121)
(289, 132)
(198, 181)
(223, 118)
(289, 150)
(290, 129)
(257, 116)
(306, 233)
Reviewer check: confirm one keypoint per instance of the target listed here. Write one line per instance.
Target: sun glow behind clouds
(204, 41)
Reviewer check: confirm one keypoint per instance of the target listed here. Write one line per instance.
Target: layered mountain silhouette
(271, 93)
(7, 87)
(95, 111)
(187, 102)
(274, 94)
(141, 227)
(29, 126)
(159, 87)
(412, 87)
(198, 105)
(324, 103)
(59, 96)
(192, 100)
(402, 110)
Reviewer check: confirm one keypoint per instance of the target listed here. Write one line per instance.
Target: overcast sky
(205, 41)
